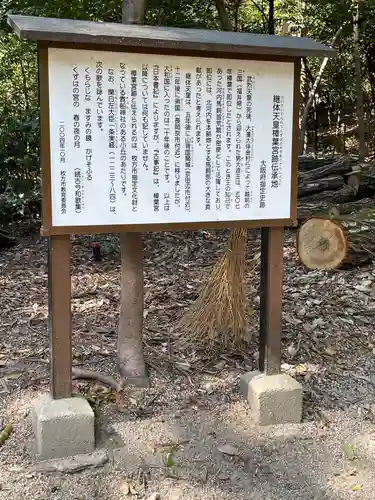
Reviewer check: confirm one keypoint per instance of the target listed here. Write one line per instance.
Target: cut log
(348, 186)
(339, 196)
(341, 166)
(6, 240)
(322, 244)
(361, 248)
(310, 163)
(341, 181)
(347, 193)
(320, 185)
(322, 207)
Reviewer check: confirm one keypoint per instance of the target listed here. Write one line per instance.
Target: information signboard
(155, 139)
(151, 128)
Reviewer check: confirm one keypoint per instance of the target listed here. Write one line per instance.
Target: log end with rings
(322, 244)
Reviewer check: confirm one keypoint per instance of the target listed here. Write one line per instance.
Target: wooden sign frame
(47, 226)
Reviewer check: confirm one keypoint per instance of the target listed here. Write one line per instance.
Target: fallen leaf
(223, 477)
(330, 350)
(154, 496)
(104, 331)
(125, 488)
(228, 449)
(13, 375)
(307, 327)
(289, 319)
(356, 487)
(183, 366)
(292, 351)
(257, 256)
(16, 468)
(220, 365)
(317, 322)
(145, 313)
(5, 433)
(348, 450)
(363, 288)
(133, 490)
(349, 321)
(334, 212)
(366, 283)
(170, 460)
(300, 368)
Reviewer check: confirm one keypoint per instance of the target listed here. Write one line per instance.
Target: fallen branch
(79, 373)
(74, 464)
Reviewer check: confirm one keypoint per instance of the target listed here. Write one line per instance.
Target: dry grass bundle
(219, 317)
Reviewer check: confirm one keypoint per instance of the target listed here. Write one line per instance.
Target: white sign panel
(147, 139)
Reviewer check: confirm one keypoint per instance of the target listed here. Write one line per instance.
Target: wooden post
(271, 289)
(60, 320)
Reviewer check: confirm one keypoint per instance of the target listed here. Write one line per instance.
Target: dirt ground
(169, 440)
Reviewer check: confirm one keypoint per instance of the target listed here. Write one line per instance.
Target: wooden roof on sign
(143, 37)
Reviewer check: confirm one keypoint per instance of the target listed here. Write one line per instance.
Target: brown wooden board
(68, 30)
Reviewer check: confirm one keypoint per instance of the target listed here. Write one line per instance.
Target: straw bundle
(219, 317)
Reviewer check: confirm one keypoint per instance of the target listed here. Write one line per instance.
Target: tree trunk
(305, 115)
(130, 348)
(133, 11)
(225, 21)
(271, 17)
(131, 361)
(370, 57)
(358, 81)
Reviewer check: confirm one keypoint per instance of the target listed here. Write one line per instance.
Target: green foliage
(19, 128)
(182, 14)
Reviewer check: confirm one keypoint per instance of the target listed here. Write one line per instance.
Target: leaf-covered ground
(193, 408)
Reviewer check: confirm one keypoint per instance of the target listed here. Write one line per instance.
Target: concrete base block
(274, 399)
(63, 427)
